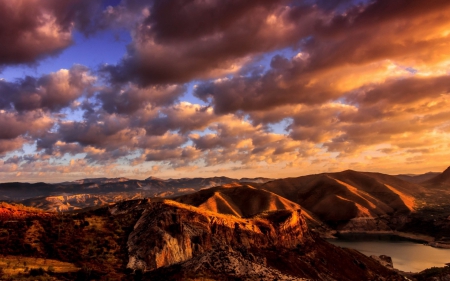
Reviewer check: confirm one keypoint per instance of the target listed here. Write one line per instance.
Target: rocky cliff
(169, 233)
(173, 241)
(156, 239)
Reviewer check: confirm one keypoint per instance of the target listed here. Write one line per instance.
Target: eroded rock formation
(169, 233)
(174, 241)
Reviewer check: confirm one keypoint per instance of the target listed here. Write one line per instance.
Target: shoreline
(412, 237)
(421, 238)
(408, 235)
(428, 240)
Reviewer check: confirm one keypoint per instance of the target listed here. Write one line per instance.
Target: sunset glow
(271, 88)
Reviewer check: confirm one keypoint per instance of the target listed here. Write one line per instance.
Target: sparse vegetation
(20, 207)
(433, 274)
(92, 244)
(20, 267)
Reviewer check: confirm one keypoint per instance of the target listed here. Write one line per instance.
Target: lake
(407, 256)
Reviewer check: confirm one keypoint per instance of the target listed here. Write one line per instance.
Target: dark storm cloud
(107, 137)
(31, 124)
(197, 19)
(108, 130)
(182, 118)
(409, 32)
(284, 83)
(174, 44)
(383, 29)
(344, 77)
(47, 143)
(18, 129)
(404, 91)
(130, 98)
(49, 92)
(13, 160)
(33, 29)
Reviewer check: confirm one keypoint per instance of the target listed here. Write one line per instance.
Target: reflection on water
(406, 255)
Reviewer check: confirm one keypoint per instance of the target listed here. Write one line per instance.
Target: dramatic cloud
(32, 124)
(18, 129)
(265, 88)
(360, 47)
(218, 42)
(127, 100)
(50, 92)
(33, 29)
(182, 118)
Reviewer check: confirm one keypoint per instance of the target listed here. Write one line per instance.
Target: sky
(200, 88)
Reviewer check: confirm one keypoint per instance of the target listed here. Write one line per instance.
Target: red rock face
(173, 241)
(169, 233)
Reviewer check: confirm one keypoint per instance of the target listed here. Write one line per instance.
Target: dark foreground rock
(384, 260)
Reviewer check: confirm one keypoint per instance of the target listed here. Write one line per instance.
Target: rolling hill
(237, 200)
(337, 198)
(441, 180)
(242, 201)
(69, 196)
(344, 201)
(417, 178)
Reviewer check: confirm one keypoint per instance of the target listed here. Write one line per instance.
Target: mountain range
(69, 196)
(222, 228)
(158, 239)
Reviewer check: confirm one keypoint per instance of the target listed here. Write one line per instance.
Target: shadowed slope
(241, 201)
(440, 181)
(221, 203)
(418, 179)
(348, 194)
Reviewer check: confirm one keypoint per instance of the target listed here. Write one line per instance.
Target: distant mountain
(255, 180)
(15, 191)
(65, 203)
(441, 180)
(101, 180)
(344, 201)
(243, 200)
(219, 228)
(83, 193)
(349, 197)
(418, 178)
(240, 200)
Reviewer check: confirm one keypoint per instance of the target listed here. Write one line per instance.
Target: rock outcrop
(169, 233)
(384, 260)
(174, 241)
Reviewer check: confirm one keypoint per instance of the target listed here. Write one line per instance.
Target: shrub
(37, 271)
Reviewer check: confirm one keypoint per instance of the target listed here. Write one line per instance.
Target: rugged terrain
(95, 192)
(347, 201)
(167, 240)
(222, 228)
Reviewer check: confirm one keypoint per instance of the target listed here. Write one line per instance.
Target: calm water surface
(406, 256)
